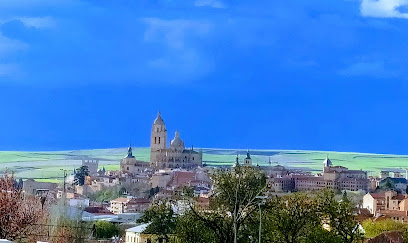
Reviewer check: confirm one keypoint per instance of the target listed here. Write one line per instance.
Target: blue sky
(315, 74)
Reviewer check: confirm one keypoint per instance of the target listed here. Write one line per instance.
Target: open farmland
(46, 166)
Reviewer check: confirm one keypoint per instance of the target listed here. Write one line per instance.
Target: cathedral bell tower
(158, 138)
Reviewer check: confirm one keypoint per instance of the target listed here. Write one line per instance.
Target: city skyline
(312, 75)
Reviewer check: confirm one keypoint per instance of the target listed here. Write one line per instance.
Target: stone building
(128, 205)
(175, 156)
(92, 166)
(130, 166)
(338, 178)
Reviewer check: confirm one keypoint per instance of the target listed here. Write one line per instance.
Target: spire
(130, 152)
(237, 160)
(327, 162)
(248, 155)
(159, 119)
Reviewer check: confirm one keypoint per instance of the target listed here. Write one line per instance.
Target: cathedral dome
(158, 120)
(177, 142)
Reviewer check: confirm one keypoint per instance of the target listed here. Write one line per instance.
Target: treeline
(25, 218)
(241, 200)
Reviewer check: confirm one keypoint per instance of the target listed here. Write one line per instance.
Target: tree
(290, 218)
(387, 184)
(105, 230)
(191, 230)
(340, 216)
(233, 202)
(374, 228)
(66, 225)
(232, 206)
(19, 214)
(162, 219)
(80, 174)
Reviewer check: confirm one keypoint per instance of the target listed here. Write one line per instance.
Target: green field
(46, 166)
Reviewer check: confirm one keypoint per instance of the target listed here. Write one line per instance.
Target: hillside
(46, 165)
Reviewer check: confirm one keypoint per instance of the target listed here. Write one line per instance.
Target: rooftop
(138, 229)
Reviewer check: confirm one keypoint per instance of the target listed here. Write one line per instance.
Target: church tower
(248, 160)
(158, 138)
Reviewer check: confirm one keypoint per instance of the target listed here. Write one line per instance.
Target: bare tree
(19, 215)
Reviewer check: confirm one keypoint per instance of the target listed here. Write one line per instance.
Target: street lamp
(260, 215)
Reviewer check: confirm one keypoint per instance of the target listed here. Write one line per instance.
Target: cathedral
(175, 156)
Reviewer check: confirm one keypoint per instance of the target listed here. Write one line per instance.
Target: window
(155, 140)
(159, 140)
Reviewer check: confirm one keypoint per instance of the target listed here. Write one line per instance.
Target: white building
(135, 234)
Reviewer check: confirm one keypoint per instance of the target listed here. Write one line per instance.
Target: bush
(372, 229)
(105, 230)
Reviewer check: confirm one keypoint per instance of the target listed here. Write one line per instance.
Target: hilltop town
(122, 196)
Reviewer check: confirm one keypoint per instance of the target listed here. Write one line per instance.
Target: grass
(46, 166)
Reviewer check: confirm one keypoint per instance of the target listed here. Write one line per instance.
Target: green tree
(339, 216)
(233, 202)
(105, 230)
(290, 218)
(80, 174)
(162, 219)
(189, 229)
(374, 228)
(232, 206)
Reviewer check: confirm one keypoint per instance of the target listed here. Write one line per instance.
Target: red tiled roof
(393, 213)
(378, 195)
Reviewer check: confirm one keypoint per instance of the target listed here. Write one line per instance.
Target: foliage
(191, 230)
(19, 214)
(67, 225)
(80, 174)
(105, 230)
(387, 184)
(290, 218)
(106, 194)
(339, 216)
(162, 219)
(153, 191)
(372, 229)
(235, 210)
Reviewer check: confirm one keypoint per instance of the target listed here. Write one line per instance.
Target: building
(136, 235)
(175, 156)
(33, 187)
(130, 166)
(248, 160)
(92, 166)
(389, 200)
(128, 205)
(337, 178)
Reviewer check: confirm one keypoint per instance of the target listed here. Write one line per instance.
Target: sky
(259, 74)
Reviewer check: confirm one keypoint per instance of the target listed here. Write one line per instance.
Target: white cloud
(383, 8)
(209, 3)
(35, 22)
(39, 23)
(182, 59)
(173, 32)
